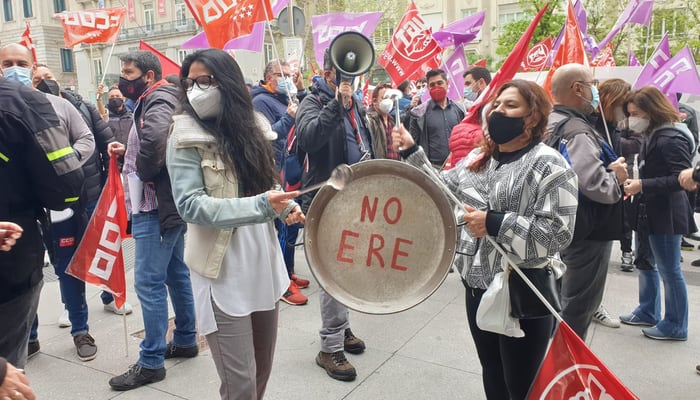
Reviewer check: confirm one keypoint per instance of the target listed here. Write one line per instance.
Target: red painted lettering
(345, 246)
(398, 252)
(374, 248)
(367, 209)
(397, 213)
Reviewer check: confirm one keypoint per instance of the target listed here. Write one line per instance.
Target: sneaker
(136, 376)
(63, 320)
(687, 246)
(301, 282)
(293, 296)
(173, 351)
(627, 261)
(352, 344)
(33, 348)
(632, 319)
(126, 308)
(695, 263)
(85, 345)
(655, 333)
(336, 365)
(603, 317)
(697, 369)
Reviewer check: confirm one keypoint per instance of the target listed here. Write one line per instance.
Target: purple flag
(454, 67)
(677, 75)
(658, 58)
(632, 60)
(460, 32)
(277, 6)
(636, 12)
(252, 41)
(588, 40)
(327, 26)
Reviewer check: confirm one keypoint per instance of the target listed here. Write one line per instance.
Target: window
(466, 12)
(181, 54)
(67, 60)
(7, 10)
(269, 55)
(180, 13)
(97, 66)
(148, 17)
(59, 6)
(507, 18)
(27, 6)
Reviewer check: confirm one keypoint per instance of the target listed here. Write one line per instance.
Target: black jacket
(664, 155)
(152, 117)
(95, 169)
(35, 173)
(321, 135)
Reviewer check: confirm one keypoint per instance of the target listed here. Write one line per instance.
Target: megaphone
(352, 54)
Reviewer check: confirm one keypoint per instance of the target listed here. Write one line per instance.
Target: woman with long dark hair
(222, 172)
(664, 212)
(523, 194)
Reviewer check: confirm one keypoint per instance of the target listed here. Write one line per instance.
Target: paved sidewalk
(422, 353)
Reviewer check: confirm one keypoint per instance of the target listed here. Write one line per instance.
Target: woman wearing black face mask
(513, 190)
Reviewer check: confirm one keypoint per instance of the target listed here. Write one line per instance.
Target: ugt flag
(570, 370)
(99, 259)
(91, 26)
(326, 27)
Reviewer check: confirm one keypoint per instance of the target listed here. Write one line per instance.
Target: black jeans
(509, 365)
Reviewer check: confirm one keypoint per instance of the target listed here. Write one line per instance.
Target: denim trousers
(159, 270)
(287, 236)
(667, 254)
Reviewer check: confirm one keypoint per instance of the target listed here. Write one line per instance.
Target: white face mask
(386, 105)
(205, 102)
(639, 125)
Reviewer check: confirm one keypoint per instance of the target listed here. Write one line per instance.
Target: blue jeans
(287, 236)
(667, 254)
(159, 270)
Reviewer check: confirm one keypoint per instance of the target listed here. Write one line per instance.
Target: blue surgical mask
(469, 93)
(595, 101)
(420, 92)
(282, 86)
(18, 74)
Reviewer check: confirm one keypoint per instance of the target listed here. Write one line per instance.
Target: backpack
(294, 161)
(557, 141)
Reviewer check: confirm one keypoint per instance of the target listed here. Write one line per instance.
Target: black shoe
(33, 348)
(353, 344)
(136, 376)
(687, 246)
(695, 263)
(172, 351)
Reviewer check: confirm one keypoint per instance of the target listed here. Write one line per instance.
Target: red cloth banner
(410, 47)
(161, 7)
(536, 57)
(99, 259)
(169, 66)
(99, 25)
(131, 10)
(366, 101)
(604, 58)
(570, 370)
(224, 20)
(571, 49)
(28, 42)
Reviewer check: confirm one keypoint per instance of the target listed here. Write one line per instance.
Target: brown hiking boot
(352, 344)
(336, 365)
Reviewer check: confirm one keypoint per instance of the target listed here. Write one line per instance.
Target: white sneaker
(63, 321)
(126, 308)
(602, 317)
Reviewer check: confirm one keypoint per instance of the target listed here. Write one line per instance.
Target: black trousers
(509, 365)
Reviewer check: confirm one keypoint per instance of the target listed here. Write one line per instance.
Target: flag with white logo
(99, 25)
(225, 20)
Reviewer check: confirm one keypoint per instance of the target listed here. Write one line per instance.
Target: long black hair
(244, 149)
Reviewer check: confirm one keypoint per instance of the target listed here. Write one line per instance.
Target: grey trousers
(334, 321)
(583, 283)
(243, 349)
(17, 316)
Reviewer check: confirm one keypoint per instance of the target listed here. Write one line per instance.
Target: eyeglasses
(279, 75)
(203, 82)
(594, 82)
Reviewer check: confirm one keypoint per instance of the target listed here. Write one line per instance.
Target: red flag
(27, 42)
(570, 370)
(536, 57)
(604, 58)
(410, 47)
(432, 63)
(100, 25)
(168, 66)
(508, 69)
(99, 259)
(571, 49)
(223, 21)
(481, 63)
(365, 94)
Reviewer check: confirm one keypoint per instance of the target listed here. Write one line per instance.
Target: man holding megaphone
(332, 129)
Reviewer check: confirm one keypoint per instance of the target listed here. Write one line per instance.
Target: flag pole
(104, 70)
(126, 335)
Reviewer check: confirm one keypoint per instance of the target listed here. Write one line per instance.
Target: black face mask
(503, 129)
(132, 89)
(48, 86)
(114, 104)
